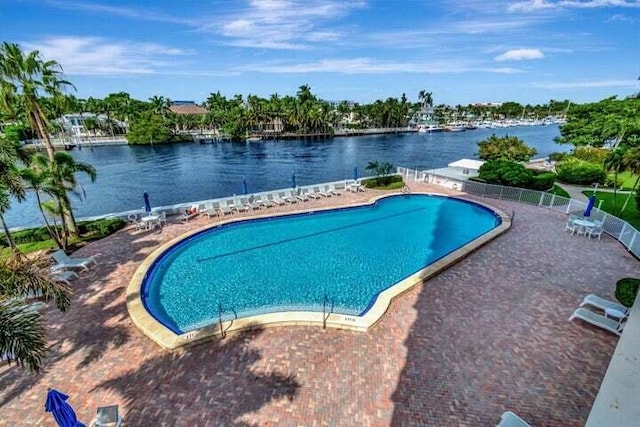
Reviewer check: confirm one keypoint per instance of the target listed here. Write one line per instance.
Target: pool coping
(169, 340)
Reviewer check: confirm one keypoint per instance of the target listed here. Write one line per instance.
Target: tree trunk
(69, 221)
(52, 231)
(633, 190)
(44, 135)
(7, 234)
(615, 190)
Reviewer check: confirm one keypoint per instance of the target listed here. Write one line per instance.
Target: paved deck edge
(169, 340)
(617, 401)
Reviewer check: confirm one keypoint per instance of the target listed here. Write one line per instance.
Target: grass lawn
(630, 214)
(559, 192)
(626, 179)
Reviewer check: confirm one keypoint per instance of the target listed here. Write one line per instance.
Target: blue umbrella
(293, 180)
(590, 203)
(61, 410)
(244, 186)
(147, 205)
(355, 173)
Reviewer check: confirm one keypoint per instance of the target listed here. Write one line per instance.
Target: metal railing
(612, 225)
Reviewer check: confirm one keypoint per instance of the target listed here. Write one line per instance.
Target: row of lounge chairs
(281, 198)
(613, 315)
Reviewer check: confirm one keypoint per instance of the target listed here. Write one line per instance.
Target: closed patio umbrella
(355, 173)
(293, 180)
(244, 186)
(147, 204)
(590, 203)
(62, 412)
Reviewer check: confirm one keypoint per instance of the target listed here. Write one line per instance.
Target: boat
(254, 139)
(430, 129)
(455, 127)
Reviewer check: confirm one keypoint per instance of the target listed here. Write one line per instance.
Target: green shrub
(542, 181)
(558, 157)
(504, 172)
(626, 290)
(590, 154)
(98, 229)
(102, 227)
(393, 181)
(579, 172)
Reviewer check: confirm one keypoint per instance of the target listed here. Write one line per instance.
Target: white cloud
(588, 84)
(372, 66)
(285, 24)
(520, 55)
(98, 56)
(619, 17)
(537, 5)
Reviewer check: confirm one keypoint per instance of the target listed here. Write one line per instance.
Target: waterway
(187, 172)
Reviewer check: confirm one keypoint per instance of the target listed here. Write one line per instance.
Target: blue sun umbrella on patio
(147, 204)
(590, 203)
(245, 190)
(62, 412)
(355, 173)
(293, 180)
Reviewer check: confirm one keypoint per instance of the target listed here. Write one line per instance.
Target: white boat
(455, 127)
(430, 129)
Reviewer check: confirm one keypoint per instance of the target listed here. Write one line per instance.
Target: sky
(463, 51)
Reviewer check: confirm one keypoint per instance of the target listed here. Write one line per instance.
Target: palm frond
(22, 335)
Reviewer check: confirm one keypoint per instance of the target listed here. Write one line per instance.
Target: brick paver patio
(487, 335)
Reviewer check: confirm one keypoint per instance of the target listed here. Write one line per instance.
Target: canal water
(187, 172)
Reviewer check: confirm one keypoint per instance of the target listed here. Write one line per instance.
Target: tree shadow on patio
(212, 384)
(97, 319)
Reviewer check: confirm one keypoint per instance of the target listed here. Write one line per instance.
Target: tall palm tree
(10, 183)
(22, 334)
(38, 179)
(632, 162)
(64, 169)
(614, 162)
(29, 77)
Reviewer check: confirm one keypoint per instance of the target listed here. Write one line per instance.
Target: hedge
(580, 172)
(101, 228)
(626, 290)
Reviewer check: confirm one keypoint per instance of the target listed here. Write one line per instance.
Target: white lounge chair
(64, 262)
(209, 210)
(614, 326)
(191, 213)
(604, 304)
(509, 419)
(277, 200)
(301, 196)
(333, 190)
(317, 190)
(225, 209)
(239, 206)
(63, 276)
(263, 200)
(286, 198)
(311, 193)
(251, 203)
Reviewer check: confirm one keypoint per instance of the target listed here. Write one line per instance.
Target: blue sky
(461, 51)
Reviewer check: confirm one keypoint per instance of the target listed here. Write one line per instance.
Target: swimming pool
(335, 261)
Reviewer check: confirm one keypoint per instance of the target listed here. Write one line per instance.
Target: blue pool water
(347, 256)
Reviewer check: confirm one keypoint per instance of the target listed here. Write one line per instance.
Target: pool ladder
(325, 314)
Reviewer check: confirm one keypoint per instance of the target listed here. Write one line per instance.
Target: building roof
(466, 164)
(187, 109)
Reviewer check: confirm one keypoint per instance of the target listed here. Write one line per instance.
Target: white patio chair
(613, 326)
(64, 262)
(604, 304)
(509, 419)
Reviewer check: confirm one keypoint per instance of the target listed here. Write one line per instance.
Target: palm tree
(426, 98)
(632, 161)
(28, 77)
(22, 335)
(10, 183)
(614, 161)
(64, 169)
(38, 179)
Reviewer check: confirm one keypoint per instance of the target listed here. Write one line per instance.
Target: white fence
(612, 225)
